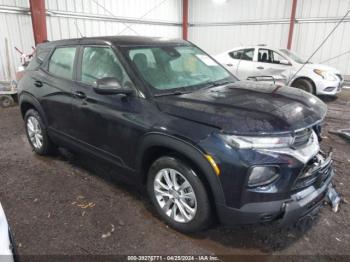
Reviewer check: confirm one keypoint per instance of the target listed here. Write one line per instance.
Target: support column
(291, 24)
(185, 19)
(38, 14)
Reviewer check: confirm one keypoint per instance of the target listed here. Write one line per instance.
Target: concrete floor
(69, 205)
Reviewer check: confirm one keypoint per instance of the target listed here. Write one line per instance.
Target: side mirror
(284, 62)
(111, 86)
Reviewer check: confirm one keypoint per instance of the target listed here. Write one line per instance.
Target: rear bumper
(285, 211)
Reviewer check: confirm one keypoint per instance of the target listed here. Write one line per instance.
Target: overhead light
(219, 2)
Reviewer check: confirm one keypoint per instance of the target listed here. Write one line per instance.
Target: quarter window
(101, 62)
(243, 54)
(62, 62)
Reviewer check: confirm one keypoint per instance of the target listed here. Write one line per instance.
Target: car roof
(119, 41)
(256, 46)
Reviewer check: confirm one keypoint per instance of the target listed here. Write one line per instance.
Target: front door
(105, 124)
(271, 63)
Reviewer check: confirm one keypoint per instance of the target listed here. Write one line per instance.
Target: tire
(6, 101)
(305, 85)
(173, 200)
(36, 130)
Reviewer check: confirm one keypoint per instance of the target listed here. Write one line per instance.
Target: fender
(26, 97)
(187, 149)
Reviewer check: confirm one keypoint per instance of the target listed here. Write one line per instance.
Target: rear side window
(243, 54)
(62, 62)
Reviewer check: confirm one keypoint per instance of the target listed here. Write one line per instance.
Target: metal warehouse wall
(218, 27)
(145, 17)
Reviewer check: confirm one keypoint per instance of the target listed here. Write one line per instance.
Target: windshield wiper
(175, 93)
(217, 83)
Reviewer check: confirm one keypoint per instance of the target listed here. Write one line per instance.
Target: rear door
(241, 62)
(56, 82)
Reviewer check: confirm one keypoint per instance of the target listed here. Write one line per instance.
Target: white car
(281, 64)
(6, 247)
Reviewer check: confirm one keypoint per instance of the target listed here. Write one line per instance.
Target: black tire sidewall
(46, 147)
(203, 214)
(7, 99)
(304, 82)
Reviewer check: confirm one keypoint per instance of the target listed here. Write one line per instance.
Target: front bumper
(284, 211)
(325, 87)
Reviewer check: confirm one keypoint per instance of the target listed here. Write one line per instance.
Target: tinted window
(244, 54)
(62, 61)
(100, 62)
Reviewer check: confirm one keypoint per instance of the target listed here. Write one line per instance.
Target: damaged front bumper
(305, 201)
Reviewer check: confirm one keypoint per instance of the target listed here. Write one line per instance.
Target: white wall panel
(91, 17)
(217, 28)
(309, 35)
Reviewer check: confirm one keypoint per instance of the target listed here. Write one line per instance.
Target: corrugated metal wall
(214, 27)
(91, 17)
(218, 27)
(309, 34)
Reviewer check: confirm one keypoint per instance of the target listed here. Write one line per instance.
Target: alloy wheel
(35, 132)
(175, 195)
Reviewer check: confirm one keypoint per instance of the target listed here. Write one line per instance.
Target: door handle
(79, 94)
(229, 64)
(38, 83)
(260, 67)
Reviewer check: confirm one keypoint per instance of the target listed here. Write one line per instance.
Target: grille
(302, 137)
(316, 172)
(339, 76)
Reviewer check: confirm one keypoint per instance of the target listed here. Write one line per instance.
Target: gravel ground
(73, 205)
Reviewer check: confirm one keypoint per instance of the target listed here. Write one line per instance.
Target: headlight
(262, 175)
(258, 142)
(326, 75)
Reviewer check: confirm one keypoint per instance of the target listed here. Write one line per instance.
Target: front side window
(62, 62)
(101, 62)
(269, 56)
(173, 67)
(243, 54)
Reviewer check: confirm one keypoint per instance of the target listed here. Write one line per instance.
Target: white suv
(281, 64)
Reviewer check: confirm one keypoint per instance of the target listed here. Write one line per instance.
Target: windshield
(175, 68)
(293, 56)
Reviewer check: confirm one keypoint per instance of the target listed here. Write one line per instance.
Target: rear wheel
(37, 133)
(178, 194)
(305, 85)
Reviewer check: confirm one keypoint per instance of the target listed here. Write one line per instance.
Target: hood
(322, 67)
(247, 107)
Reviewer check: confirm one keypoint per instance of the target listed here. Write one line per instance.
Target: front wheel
(305, 85)
(178, 195)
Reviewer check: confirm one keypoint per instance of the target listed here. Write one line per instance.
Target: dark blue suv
(204, 143)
